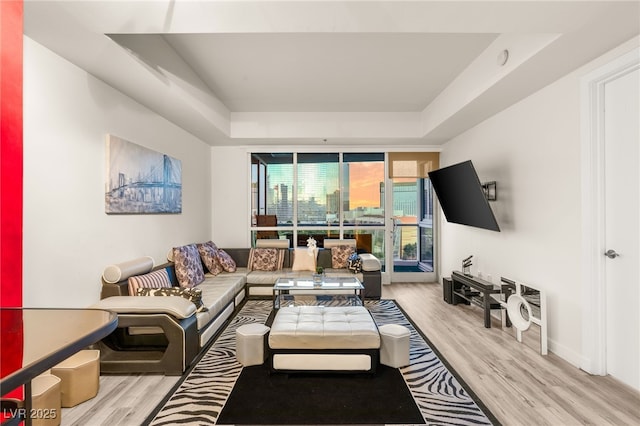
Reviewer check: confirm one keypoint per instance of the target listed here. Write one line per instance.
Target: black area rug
(281, 399)
(211, 392)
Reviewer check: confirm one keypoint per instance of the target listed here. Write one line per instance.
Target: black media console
(461, 288)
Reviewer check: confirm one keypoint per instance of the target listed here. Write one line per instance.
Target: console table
(477, 291)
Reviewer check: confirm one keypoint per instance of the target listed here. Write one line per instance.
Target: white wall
(532, 150)
(230, 209)
(68, 238)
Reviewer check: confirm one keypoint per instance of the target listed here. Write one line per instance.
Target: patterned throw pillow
(340, 256)
(155, 279)
(354, 263)
(209, 254)
(194, 295)
(227, 262)
(188, 265)
(265, 259)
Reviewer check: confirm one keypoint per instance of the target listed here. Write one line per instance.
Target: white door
(622, 227)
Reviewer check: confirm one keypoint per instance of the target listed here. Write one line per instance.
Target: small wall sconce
(490, 190)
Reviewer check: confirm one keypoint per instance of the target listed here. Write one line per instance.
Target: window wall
(324, 195)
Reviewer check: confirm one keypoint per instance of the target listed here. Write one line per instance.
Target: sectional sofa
(165, 334)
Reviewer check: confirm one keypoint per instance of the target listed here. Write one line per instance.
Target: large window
(272, 188)
(412, 210)
(318, 192)
(324, 195)
(363, 189)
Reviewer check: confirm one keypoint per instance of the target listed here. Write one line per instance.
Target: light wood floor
(520, 386)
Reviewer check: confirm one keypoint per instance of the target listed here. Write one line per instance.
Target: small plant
(319, 270)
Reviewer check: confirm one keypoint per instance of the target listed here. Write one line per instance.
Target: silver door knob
(611, 254)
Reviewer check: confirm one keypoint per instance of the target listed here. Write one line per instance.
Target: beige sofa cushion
(333, 242)
(304, 259)
(172, 305)
(272, 243)
(217, 292)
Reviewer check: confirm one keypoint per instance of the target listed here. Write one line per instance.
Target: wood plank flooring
(520, 386)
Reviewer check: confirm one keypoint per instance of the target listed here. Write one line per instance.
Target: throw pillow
(265, 259)
(194, 295)
(155, 279)
(340, 256)
(354, 263)
(188, 265)
(209, 255)
(304, 260)
(227, 262)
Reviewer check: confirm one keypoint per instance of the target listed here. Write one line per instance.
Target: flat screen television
(462, 197)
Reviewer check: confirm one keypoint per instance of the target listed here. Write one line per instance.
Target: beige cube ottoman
(80, 376)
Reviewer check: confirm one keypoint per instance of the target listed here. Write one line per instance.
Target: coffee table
(327, 285)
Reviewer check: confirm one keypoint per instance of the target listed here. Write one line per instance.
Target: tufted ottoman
(323, 339)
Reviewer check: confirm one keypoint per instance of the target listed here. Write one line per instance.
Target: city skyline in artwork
(140, 180)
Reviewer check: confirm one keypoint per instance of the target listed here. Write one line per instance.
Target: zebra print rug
(440, 395)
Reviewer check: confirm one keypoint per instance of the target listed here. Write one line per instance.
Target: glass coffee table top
(326, 283)
(329, 291)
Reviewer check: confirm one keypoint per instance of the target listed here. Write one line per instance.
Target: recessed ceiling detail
(351, 71)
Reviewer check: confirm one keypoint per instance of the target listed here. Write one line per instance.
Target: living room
(531, 146)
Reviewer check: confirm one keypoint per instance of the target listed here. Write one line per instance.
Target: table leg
(487, 310)
(28, 404)
(276, 299)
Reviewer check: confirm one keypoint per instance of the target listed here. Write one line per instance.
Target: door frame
(390, 276)
(594, 327)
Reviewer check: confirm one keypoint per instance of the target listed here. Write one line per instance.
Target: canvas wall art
(140, 180)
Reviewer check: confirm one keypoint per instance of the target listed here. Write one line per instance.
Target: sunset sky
(364, 184)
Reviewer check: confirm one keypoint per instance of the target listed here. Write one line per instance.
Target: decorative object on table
(466, 265)
(312, 246)
(354, 263)
(141, 181)
(317, 277)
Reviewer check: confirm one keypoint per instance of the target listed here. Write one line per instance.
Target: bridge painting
(140, 180)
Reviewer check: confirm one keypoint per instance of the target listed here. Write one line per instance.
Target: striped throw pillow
(155, 279)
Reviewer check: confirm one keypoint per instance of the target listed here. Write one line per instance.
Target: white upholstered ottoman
(394, 349)
(250, 344)
(318, 338)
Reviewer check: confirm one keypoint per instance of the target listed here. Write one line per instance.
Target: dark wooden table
(484, 288)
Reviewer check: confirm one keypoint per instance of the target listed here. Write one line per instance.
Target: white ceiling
(360, 72)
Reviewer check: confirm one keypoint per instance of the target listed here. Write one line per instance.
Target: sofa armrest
(176, 306)
(370, 263)
(114, 289)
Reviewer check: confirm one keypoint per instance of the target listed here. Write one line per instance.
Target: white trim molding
(593, 217)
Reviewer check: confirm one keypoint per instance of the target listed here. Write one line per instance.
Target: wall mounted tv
(461, 196)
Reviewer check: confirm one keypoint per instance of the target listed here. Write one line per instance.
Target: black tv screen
(461, 196)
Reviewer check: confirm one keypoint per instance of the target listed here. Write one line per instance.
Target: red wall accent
(11, 19)
(11, 13)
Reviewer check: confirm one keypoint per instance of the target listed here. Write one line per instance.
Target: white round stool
(394, 345)
(250, 344)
